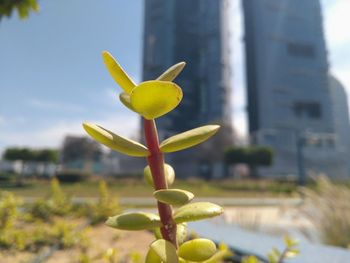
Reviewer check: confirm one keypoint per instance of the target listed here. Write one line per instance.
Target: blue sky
(52, 76)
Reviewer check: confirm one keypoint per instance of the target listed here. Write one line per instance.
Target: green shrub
(328, 208)
(105, 206)
(7, 177)
(8, 209)
(56, 204)
(72, 176)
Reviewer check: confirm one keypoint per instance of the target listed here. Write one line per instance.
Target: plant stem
(156, 163)
(283, 255)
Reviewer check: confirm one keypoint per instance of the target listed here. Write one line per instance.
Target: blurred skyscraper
(196, 32)
(341, 117)
(287, 78)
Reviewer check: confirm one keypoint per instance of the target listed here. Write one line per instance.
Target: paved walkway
(260, 244)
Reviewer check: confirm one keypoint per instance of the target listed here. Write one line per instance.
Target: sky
(52, 77)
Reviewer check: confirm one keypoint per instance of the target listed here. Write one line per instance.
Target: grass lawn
(138, 188)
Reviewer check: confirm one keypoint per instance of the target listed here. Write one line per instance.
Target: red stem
(156, 163)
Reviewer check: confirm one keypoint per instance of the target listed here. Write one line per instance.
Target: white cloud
(54, 105)
(237, 56)
(337, 19)
(2, 121)
(52, 136)
(240, 125)
(336, 22)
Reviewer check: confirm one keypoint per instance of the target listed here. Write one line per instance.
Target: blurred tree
(253, 156)
(23, 7)
(26, 155)
(80, 149)
(15, 154)
(47, 155)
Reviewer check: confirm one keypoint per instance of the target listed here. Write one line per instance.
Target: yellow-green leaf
(152, 257)
(220, 255)
(171, 73)
(197, 211)
(181, 233)
(197, 250)
(134, 221)
(117, 72)
(188, 139)
(289, 242)
(168, 172)
(125, 99)
(292, 253)
(250, 259)
(165, 250)
(115, 142)
(152, 99)
(173, 196)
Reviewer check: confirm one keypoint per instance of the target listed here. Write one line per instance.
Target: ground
(102, 238)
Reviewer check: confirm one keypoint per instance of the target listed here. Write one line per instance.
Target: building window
(307, 109)
(301, 50)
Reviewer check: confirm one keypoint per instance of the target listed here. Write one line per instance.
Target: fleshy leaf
(152, 257)
(220, 255)
(289, 242)
(188, 139)
(250, 259)
(115, 142)
(171, 73)
(197, 250)
(165, 250)
(173, 196)
(168, 171)
(125, 99)
(117, 72)
(181, 233)
(197, 211)
(152, 99)
(134, 221)
(292, 253)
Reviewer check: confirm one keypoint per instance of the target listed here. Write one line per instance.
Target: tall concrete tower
(287, 81)
(196, 32)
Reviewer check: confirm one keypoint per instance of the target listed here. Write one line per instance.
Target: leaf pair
(129, 147)
(143, 221)
(151, 99)
(196, 250)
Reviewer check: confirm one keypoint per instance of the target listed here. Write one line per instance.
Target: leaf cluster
(23, 7)
(275, 255)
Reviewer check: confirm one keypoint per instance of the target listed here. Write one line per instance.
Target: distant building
(194, 31)
(81, 153)
(287, 82)
(341, 117)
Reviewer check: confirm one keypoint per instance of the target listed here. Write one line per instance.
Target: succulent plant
(153, 99)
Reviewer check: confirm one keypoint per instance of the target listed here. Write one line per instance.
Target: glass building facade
(196, 32)
(288, 89)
